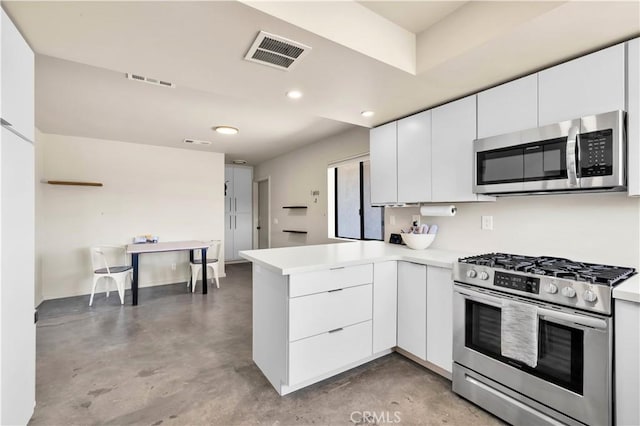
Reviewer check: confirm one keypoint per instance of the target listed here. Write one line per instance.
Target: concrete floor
(185, 359)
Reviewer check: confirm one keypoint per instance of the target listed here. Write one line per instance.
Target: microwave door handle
(572, 174)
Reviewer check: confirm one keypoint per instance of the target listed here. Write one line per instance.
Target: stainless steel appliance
(586, 154)
(572, 381)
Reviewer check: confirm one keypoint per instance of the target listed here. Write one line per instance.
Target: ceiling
(444, 50)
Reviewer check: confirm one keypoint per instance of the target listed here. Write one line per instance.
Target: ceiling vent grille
(154, 81)
(196, 142)
(276, 51)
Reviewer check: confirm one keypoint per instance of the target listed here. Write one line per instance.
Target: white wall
(294, 175)
(39, 216)
(174, 193)
(602, 228)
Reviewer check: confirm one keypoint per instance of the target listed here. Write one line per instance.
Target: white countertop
(292, 260)
(628, 290)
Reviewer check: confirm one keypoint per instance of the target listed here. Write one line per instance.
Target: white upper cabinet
(384, 167)
(588, 85)
(17, 80)
(509, 107)
(414, 158)
(453, 128)
(633, 115)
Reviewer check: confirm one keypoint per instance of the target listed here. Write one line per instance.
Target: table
(136, 249)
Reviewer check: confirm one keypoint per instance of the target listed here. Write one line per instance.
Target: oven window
(500, 166)
(560, 348)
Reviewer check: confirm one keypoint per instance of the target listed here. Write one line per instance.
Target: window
(353, 215)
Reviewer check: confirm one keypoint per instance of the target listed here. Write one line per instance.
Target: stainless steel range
(557, 314)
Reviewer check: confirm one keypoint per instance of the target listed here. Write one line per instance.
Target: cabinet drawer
(311, 357)
(329, 279)
(321, 312)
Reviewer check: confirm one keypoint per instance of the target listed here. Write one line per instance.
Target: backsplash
(601, 228)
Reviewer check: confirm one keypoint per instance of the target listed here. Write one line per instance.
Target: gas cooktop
(553, 267)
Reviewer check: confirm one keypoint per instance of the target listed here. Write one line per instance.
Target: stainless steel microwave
(584, 154)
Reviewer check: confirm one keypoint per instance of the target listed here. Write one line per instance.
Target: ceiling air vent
(149, 80)
(196, 142)
(276, 51)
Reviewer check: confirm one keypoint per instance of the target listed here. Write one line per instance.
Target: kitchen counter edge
(629, 290)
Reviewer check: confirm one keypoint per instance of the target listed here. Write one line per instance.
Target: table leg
(204, 271)
(134, 282)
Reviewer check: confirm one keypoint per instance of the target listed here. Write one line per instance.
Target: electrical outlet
(275, 220)
(487, 223)
(415, 218)
(173, 266)
(392, 219)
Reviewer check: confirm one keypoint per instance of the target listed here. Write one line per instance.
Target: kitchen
(518, 222)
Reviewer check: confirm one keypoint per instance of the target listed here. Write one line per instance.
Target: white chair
(110, 262)
(213, 260)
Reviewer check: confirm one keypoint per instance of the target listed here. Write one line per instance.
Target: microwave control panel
(596, 153)
(517, 282)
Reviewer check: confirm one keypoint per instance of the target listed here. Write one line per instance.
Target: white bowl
(418, 241)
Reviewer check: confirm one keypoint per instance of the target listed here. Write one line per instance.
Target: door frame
(256, 211)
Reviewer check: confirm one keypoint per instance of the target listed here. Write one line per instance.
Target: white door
(18, 344)
(385, 295)
(263, 214)
(229, 220)
(242, 189)
(453, 130)
(414, 154)
(440, 317)
(412, 308)
(384, 168)
(242, 233)
(509, 107)
(588, 85)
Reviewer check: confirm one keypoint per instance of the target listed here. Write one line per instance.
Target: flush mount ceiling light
(226, 130)
(294, 94)
(367, 113)
(239, 161)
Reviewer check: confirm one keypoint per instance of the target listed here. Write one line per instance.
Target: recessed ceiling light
(294, 94)
(239, 161)
(226, 130)
(367, 113)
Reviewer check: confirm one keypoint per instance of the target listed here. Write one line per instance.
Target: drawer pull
(336, 330)
(333, 291)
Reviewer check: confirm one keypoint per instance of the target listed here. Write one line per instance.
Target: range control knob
(589, 296)
(569, 292)
(471, 273)
(551, 288)
(484, 275)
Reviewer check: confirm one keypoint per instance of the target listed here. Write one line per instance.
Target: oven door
(573, 374)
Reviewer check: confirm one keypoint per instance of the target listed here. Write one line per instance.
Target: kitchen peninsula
(324, 309)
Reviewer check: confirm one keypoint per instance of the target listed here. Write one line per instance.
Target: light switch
(392, 220)
(275, 220)
(487, 223)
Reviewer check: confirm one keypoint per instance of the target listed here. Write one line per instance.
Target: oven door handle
(542, 312)
(571, 162)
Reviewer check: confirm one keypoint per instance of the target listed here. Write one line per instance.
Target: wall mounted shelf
(294, 207)
(70, 183)
(293, 231)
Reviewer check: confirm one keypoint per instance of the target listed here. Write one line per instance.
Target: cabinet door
(385, 304)
(440, 317)
(242, 189)
(588, 85)
(509, 107)
(384, 167)
(633, 115)
(412, 308)
(18, 335)
(228, 194)
(453, 129)
(228, 236)
(242, 234)
(17, 79)
(414, 158)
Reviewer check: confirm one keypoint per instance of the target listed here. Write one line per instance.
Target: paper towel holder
(437, 210)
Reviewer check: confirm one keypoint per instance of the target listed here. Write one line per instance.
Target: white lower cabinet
(412, 308)
(627, 370)
(317, 355)
(385, 305)
(440, 318)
